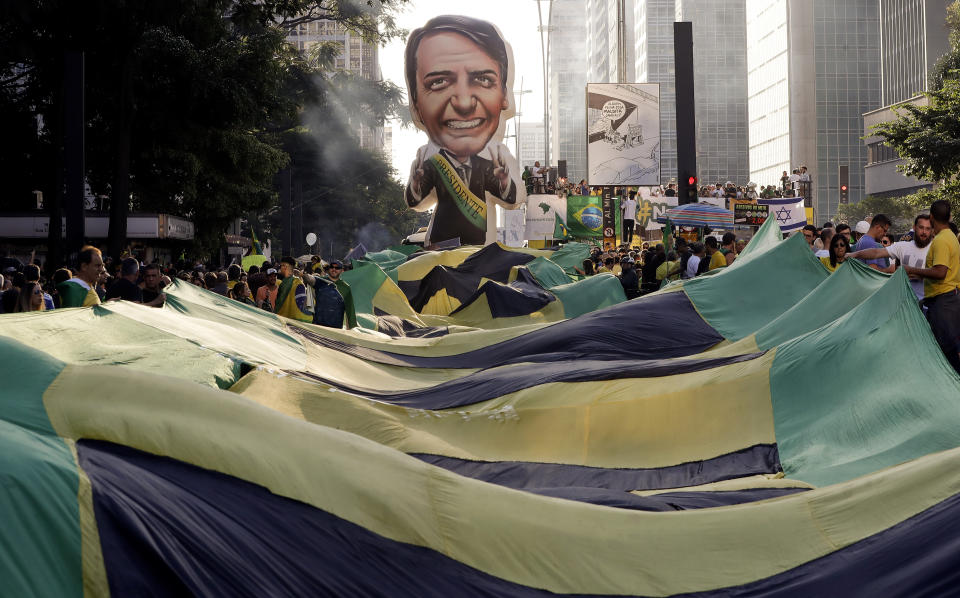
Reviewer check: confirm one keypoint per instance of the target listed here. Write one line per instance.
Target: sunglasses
(37, 292)
(334, 268)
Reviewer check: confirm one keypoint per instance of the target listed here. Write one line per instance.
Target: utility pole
(545, 54)
(73, 126)
(686, 113)
(621, 41)
(286, 239)
(519, 113)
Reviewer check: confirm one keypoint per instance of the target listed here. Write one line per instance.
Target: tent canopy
(698, 214)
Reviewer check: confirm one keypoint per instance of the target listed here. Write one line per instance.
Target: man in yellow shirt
(714, 257)
(941, 279)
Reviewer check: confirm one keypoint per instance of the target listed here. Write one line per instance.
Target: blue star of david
(783, 215)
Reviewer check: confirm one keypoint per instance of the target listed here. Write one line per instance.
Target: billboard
(459, 73)
(623, 134)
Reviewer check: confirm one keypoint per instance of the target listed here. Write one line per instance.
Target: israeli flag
(787, 211)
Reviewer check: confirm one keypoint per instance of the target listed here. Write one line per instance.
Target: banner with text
(541, 215)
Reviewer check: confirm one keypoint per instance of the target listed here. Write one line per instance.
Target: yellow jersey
(718, 260)
(944, 251)
(826, 262)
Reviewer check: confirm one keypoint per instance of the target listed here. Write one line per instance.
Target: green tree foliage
(928, 137)
(902, 210)
(189, 104)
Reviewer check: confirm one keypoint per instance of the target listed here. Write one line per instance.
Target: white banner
(541, 215)
(514, 225)
(788, 211)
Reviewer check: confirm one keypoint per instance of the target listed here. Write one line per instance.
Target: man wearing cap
(629, 278)
(334, 300)
(267, 294)
(872, 234)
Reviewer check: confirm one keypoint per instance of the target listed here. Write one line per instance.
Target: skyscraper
(357, 56)
(815, 66)
(913, 35)
(653, 35)
(568, 83)
(531, 144)
(602, 17)
(720, 85)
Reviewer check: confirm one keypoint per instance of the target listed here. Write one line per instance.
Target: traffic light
(692, 190)
(844, 184)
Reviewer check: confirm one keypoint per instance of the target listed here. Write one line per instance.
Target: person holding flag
(292, 294)
(560, 230)
(256, 257)
(334, 300)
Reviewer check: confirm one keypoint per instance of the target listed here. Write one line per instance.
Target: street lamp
(516, 129)
(545, 54)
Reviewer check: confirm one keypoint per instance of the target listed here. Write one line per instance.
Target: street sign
(750, 214)
(609, 218)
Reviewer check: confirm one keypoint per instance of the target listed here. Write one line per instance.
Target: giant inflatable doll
(459, 73)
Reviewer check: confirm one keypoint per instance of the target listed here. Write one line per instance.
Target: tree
(928, 137)
(900, 210)
(187, 102)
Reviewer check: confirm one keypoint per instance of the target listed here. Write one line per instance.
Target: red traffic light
(691, 181)
(843, 187)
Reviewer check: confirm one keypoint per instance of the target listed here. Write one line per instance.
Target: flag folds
(717, 438)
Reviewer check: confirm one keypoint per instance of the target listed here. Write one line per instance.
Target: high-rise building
(913, 35)
(598, 42)
(388, 143)
(720, 87)
(567, 75)
(531, 142)
(603, 21)
(356, 56)
(815, 63)
(653, 49)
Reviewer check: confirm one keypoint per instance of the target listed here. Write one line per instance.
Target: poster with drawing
(459, 73)
(623, 134)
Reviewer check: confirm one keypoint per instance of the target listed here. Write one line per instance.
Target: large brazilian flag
(585, 216)
(769, 430)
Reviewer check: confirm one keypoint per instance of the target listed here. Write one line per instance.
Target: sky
(517, 21)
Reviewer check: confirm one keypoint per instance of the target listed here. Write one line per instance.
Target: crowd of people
(310, 292)
(646, 268)
(929, 253)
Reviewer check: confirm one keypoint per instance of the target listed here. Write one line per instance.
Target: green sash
(471, 206)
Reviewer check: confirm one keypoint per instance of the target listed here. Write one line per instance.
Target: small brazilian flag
(257, 249)
(560, 230)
